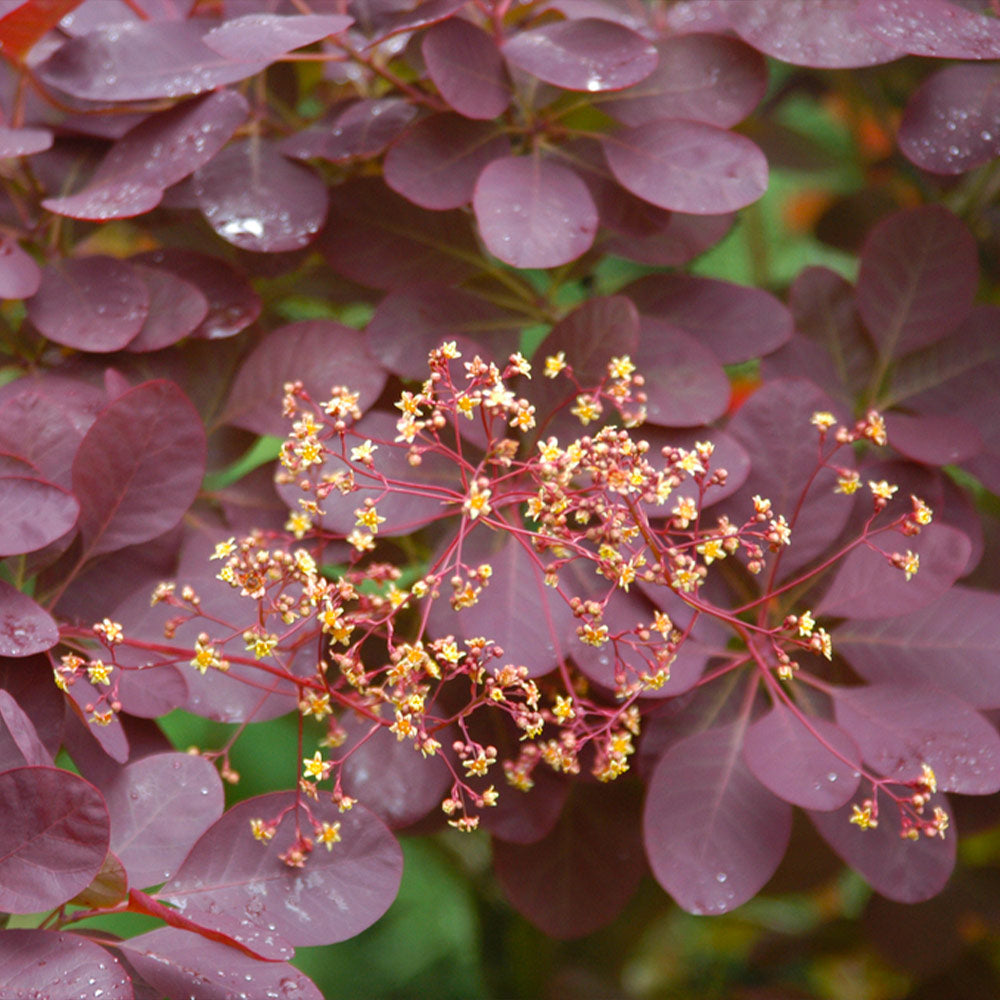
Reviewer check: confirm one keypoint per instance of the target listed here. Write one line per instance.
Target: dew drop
(721, 877)
(831, 776)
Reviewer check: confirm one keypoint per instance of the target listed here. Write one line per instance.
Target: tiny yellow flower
(806, 624)
(99, 672)
(882, 489)
(823, 420)
(848, 482)
(554, 364)
(262, 831)
(368, 517)
(563, 708)
(363, 452)
(328, 835)
(862, 817)
(477, 502)
(224, 549)
(315, 768)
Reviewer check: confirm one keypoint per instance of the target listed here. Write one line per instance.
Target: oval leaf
(268, 37)
(20, 276)
(932, 28)
(19, 740)
(176, 309)
(466, 67)
(35, 513)
(25, 627)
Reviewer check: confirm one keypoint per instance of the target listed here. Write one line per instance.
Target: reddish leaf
(20, 276)
(707, 78)
(436, 163)
(714, 835)
(19, 741)
(267, 37)
(336, 896)
(91, 303)
(952, 122)
(53, 838)
(181, 964)
(918, 277)
(866, 585)
(92, 14)
(160, 151)
(597, 330)
(142, 61)
(679, 240)
(734, 322)
(29, 681)
(901, 869)
(465, 65)
(176, 309)
(385, 19)
(159, 806)
(811, 33)
(365, 129)
(687, 166)
(933, 440)
(23, 26)
(582, 54)
(37, 963)
(138, 468)
(580, 876)
(25, 627)
(111, 738)
(320, 353)
(23, 141)
(35, 514)
(534, 212)
(932, 28)
(809, 762)
(953, 643)
(255, 198)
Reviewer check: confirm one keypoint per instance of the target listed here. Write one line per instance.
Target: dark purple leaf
(592, 334)
(580, 876)
(267, 37)
(685, 383)
(952, 122)
(232, 303)
(23, 141)
(141, 62)
(714, 835)
(436, 163)
(256, 199)
(91, 303)
(53, 839)
(25, 627)
(814, 767)
(822, 33)
(899, 726)
(534, 212)
(159, 806)
(176, 309)
(734, 322)
(20, 276)
(901, 869)
(29, 682)
(931, 28)
(379, 239)
(364, 130)
(161, 150)
(677, 241)
(394, 18)
(465, 65)
(35, 513)
(866, 585)
(934, 440)
(919, 274)
(180, 964)
(708, 78)
(111, 738)
(334, 897)
(320, 353)
(953, 643)
(687, 166)
(19, 741)
(138, 468)
(47, 964)
(584, 54)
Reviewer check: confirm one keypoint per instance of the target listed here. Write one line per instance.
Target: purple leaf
(29, 681)
(141, 62)
(866, 585)
(821, 33)
(931, 28)
(597, 330)
(159, 806)
(953, 643)
(181, 964)
(534, 212)
(93, 14)
(379, 239)
(734, 322)
(111, 738)
(901, 869)
(952, 122)
(138, 468)
(232, 303)
(385, 19)
(267, 37)
(91, 303)
(677, 241)
(23, 141)
(20, 276)
(465, 65)
(320, 353)
(25, 627)
(35, 513)
(47, 964)
(728, 455)
(364, 130)
(934, 440)
(436, 163)
(53, 839)
(919, 274)
(255, 198)
(584, 54)
(176, 309)
(899, 726)
(814, 767)
(334, 897)
(687, 166)
(714, 835)
(580, 876)
(19, 741)
(707, 78)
